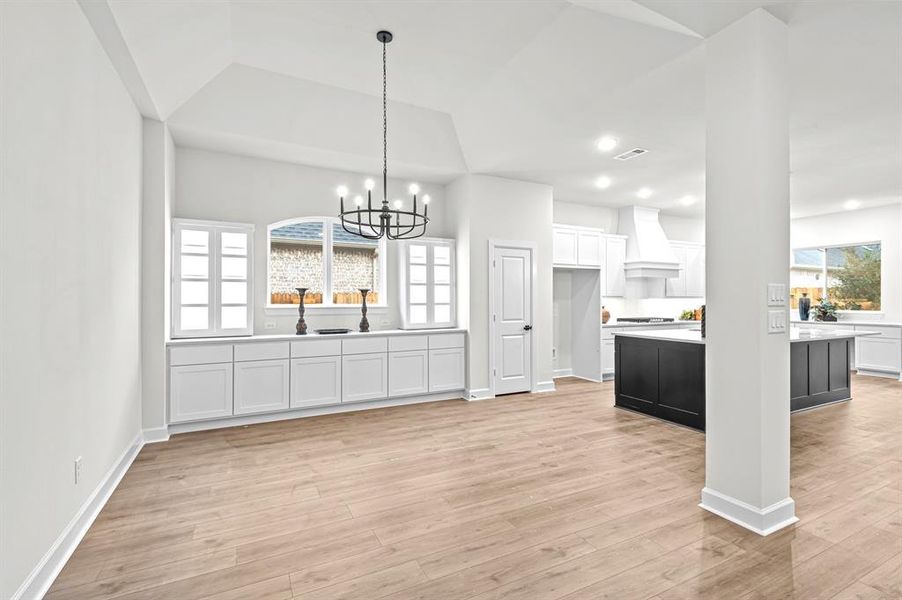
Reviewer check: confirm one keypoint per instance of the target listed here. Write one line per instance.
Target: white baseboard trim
(763, 521)
(480, 394)
(544, 386)
(156, 434)
(563, 373)
(886, 374)
(45, 572)
(300, 413)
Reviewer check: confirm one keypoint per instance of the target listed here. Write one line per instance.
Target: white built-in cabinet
(691, 281)
(584, 247)
(317, 381)
(216, 380)
(614, 280)
(577, 246)
(881, 353)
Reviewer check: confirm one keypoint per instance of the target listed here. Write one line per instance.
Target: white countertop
(311, 335)
(694, 336)
(849, 322)
(613, 324)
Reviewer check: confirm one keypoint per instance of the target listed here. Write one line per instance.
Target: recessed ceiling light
(607, 143)
(851, 204)
(644, 193)
(603, 182)
(688, 200)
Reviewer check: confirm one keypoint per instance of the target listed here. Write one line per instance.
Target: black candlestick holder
(301, 328)
(364, 323)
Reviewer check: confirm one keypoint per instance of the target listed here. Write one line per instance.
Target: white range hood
(648, 251)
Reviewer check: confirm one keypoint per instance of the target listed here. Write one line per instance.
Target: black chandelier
(392, 222)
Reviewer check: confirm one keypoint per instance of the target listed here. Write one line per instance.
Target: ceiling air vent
(631, 154)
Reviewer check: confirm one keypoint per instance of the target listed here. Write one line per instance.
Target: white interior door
(512, 314)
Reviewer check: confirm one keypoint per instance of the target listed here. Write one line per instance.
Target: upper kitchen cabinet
(614, 283)
(577, 246)
(691, 281)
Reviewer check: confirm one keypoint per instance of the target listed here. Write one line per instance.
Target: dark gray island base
(663, 375)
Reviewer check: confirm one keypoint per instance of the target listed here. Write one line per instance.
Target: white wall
(487, 208)
(228, 187)
(70, 372)
(572, 213)
(883, 224)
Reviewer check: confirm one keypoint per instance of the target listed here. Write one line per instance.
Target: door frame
(532, 247)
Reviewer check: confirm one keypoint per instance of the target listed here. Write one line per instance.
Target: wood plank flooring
(539, 497)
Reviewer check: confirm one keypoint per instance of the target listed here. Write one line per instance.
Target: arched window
(317, 254)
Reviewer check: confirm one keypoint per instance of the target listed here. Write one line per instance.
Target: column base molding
(763, 521)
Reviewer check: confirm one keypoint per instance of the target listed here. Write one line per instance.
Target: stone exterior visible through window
(318, 254)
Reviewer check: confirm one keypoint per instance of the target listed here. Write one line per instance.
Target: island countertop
(694, 336)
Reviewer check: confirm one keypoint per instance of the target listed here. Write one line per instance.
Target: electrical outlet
(554, 353)
(269, 325)
(384, 322)
(77, 470)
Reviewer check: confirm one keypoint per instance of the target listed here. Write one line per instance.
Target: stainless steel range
(645, 320)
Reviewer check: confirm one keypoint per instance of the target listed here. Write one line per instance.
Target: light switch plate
(776, 321)
(776, 294)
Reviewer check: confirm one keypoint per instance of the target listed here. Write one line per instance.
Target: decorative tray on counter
(332, 331)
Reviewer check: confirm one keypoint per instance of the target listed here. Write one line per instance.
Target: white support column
(747, 237)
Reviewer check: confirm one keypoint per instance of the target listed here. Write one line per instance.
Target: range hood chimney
(648, 252)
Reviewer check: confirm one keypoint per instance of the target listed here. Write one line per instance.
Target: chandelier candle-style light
(391, 221)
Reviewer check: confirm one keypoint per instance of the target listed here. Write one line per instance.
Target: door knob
(527, 327)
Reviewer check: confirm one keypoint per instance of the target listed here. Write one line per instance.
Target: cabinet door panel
(446, 369)
(615, 278)
(588, 248)
(364, 377)
(695, 272)
(261, 386)
(878, 354)
(408, 373)
(607, 357)
(676, 286)
(315, 381)
(564, 246)
(200, 392)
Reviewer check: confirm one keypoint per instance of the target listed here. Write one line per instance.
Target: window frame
(214, 230)
(824, 270)
(328, 252)
(404, 283)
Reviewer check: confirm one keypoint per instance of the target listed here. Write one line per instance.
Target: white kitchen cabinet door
(261, 386)
(315, 381)
(198, 392)
(695, 272)
(446, 369)
(364, 377)
(607, 357)
(408, 373)
(564, 246)
(615, 277)
(878, 354)
(676, 286)
(589, 248)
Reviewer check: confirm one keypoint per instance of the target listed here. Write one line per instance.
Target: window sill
(334, 309)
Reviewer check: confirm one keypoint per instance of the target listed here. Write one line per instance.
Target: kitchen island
(662, 373)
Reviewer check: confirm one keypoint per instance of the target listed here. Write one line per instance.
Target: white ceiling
(517, 88)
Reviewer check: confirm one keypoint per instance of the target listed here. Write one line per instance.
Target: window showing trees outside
(849, 276)
(317, 254)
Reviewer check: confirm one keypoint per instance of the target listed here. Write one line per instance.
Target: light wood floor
(538, 497)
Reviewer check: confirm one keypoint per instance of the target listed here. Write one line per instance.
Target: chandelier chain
(384, 125)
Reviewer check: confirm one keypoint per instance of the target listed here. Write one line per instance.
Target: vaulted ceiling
(516, 88)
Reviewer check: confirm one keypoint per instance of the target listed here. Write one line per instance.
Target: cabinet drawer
(261, 351)
(200, 355)
(311, 348)
(364, 345)
(883, 331)
(408, 342)
(447, 340)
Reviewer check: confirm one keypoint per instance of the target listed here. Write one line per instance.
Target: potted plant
(825, 311)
